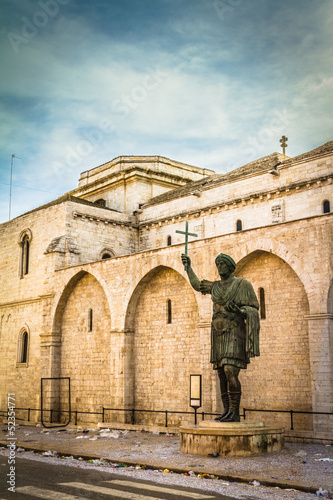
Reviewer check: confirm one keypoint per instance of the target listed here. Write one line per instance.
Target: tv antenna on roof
(11, 178)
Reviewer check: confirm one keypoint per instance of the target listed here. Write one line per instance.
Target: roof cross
(284, 144)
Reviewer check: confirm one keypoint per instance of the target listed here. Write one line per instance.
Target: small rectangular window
(262, 304)
(169, 312)
(90, 320)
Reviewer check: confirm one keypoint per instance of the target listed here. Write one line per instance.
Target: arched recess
(136, 294)
(74, 350)
(86, 344)
(67, 288)
(280, 378)
(256, 246)
(62, 301)
(144, 274)
(162, 355)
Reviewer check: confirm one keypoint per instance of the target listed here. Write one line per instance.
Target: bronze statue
(235, 328)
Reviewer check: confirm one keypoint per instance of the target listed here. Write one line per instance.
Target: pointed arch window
(262, 304)
(169, 312)
(25, 241)
(169, 241)
(23, 346)
(326, 207)
(239, 225)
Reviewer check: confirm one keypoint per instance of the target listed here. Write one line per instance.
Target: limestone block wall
(22, 379)
(43, 225)
(293, 177)
(165, 354)
(159, 221)
(224, 221)
(136, 191)
(126, 182)
(91, 229)
(281, 375)
(304, 245)
(123, 195)
(295, 371)
(95, 229)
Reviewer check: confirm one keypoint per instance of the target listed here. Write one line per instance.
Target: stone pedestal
(233, 439)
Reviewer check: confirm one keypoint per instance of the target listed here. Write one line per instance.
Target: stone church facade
(92, 288)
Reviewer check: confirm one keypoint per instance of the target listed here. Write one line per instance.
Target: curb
(177, 470)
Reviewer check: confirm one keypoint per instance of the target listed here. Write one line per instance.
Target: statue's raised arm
(203, 286)
(194, 280)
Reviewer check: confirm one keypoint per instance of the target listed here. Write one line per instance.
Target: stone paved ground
(302, 466)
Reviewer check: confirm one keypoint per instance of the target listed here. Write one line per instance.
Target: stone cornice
(132, 160)
(130, 172)
(306, 159)
(319, 316)
(124, 331)
(97, 218)
(27, 301)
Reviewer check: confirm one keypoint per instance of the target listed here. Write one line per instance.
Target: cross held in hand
(187, 234)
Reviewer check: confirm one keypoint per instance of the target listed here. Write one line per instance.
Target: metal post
(166, 418)
(291, 420)
(10, 184)
(103, 415)
(244, 413)
(28, 414)
(69, 401)
(51, 420)
(195, 415)
(132, 417)
(76, 417)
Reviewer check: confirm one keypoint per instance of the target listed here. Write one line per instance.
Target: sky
(211, 83)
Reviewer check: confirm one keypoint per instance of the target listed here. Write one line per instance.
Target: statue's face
(223, 269)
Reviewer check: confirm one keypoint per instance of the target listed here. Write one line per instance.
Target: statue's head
(225, 264)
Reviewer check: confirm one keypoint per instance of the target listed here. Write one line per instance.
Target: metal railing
(134, 411)
(165, 412)
(291, 413)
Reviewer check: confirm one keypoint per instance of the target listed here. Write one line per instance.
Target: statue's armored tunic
(233, 340)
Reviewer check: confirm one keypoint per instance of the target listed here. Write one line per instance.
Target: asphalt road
(41, 480)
